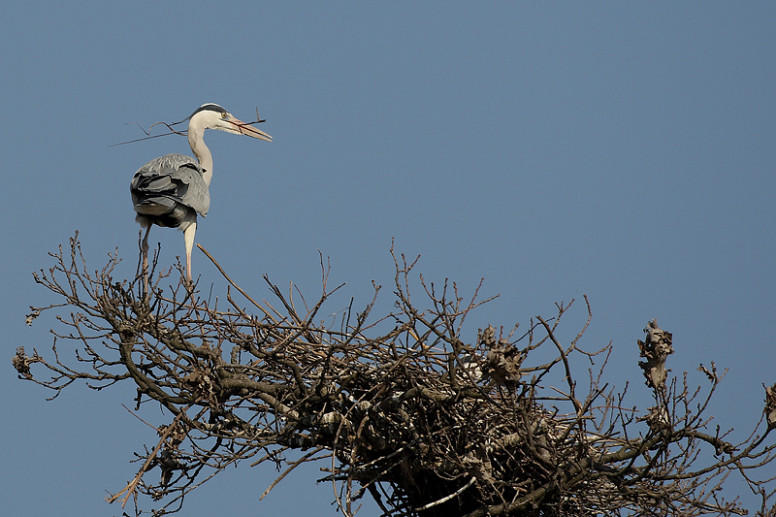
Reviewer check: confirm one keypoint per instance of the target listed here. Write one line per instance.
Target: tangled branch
(402, 407)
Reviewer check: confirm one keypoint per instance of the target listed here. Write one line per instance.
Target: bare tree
(401, 407)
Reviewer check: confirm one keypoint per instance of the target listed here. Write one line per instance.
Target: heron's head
(213, 116)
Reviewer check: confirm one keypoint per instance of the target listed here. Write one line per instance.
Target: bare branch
(427, 416)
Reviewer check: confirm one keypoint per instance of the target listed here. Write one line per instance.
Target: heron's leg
(145, 260)
(188, 240)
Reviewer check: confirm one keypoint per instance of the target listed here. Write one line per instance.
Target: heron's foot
(189, 284)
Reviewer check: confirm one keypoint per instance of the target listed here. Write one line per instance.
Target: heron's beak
(248, 130)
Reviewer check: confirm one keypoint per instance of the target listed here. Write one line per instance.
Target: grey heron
(171, 190)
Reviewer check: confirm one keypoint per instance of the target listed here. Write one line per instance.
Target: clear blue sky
(623, 150)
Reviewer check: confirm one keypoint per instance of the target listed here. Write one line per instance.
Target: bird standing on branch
(171, 190)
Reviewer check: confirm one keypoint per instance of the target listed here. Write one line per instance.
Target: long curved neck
(201, 152)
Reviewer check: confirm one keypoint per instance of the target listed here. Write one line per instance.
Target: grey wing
(160, 185)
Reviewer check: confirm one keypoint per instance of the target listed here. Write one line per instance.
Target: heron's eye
(223, 115)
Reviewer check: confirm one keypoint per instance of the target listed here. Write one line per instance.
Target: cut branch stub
(503, 363)
(655, 349)
(21, 362)
(770, 406)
